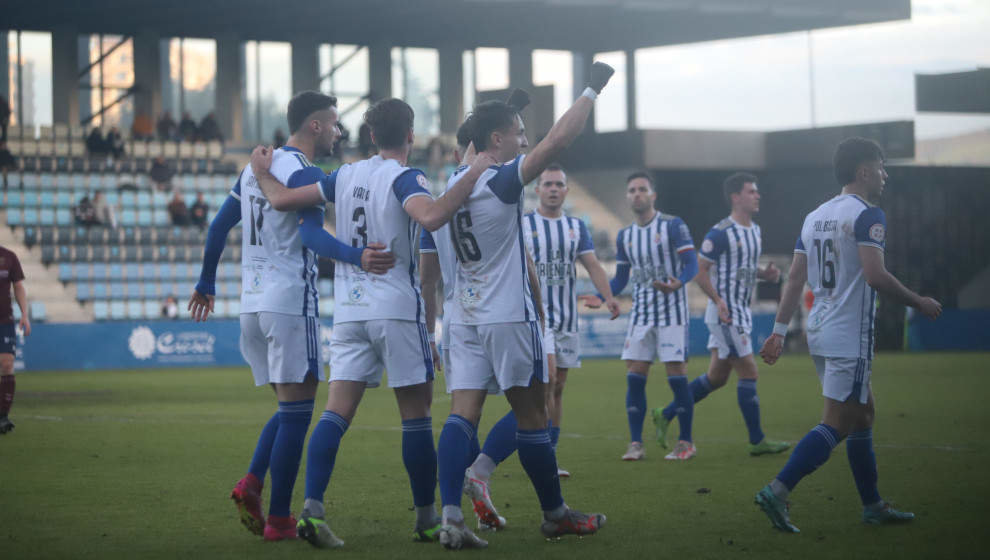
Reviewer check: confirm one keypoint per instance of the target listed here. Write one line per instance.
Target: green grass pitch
(139, 464)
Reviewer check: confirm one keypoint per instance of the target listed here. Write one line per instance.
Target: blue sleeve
(426, 243)
(305, 176)
(507, 183)
(328, 186)
(411, 183)
(689, 265)
(321, 242)
(618, 283)
(715, 243)
(799, 246)
(871, 227)
(680, 235)
(620, 250)
(584, 239)
(216, 237)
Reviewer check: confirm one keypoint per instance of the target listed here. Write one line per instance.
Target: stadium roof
(580, 25)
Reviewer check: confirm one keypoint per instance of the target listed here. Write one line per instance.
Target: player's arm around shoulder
(432, 213)
(280, 196)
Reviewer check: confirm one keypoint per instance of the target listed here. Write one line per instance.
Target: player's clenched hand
(930, 308)
(668, 287)
(613, 307)
(261, 159)
(771, 273)
(437, 362)
(591, 301)
(375, 260)
(723, 312)
(599, 76)
(772, 349)
(200, 306)
(482, 161)
(25, 324)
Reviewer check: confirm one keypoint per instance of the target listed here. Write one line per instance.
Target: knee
(716, 382)
(7, 366)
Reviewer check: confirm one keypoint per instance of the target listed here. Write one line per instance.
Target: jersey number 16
(825, 251)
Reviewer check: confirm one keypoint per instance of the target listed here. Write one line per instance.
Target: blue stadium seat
(132, 290)
(63, 217)
(47, 254)
(152, 309)
(143, 199)
(180, 271)
(31, 198)
(162, 253)
(15, 217)
(116, 289)
(83, 291)
(116, 272)
(63, 199)
(47, 198)
(149, 290)
(30, 236)
(100, 290)
(148, 271)
(232, 288)
(29, 180)
(160, 217)
(81, 253)
(77, 180)
(46, 180)
(94, 180)
(113, 198)
(65, 272)
(144, 217)
(101, 310)
(118, 310)
(47, 235)
(46, 217)
(81, 271)
(15, 199)
(135, 309)
(234, 307)
(30, 217)
(99, 272)
(128, 199)
(38, 311)
(159, 199)
(220, 307)
(128, 218)
(132, 270)
(164, 271)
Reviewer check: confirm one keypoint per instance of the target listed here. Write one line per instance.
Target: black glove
(599, 76)
(518, 100)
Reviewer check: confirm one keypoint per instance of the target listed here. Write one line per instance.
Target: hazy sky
(861, 74)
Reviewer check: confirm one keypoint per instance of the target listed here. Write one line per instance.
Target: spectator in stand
(115, 142)
(4, 118)
(178, 210)
(142, 128)
(161, 174)
(170, 308)
(279, 139)
(103, 213)
(96, 144)
(187, 128)
(84, 212)
(167, 129)
(198, 212)
(209, 130)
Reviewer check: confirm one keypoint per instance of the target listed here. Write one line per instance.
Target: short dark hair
(641, 175)
(304, 104)
(734, 184)
(489, 117)
(390, 121)
(850, 154)
(464, 133)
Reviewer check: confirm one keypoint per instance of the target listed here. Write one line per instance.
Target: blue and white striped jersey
(278, 272)
(843, 318)
(555, 245)
(735, 251)
(652, 252)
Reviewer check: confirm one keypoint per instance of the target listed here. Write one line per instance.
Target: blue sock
(420, 459)
(749, 404)
(635, 404)
(293, 421)
(539, 462)
(501, 440)
(685, 404)
(700, 388)
(863, 462)
(809, 454)
(323, 445)
(263, 451)
(453, 453)
(554, 435)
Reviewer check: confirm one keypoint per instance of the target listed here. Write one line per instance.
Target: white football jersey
(278, 273)
(734, 250)
(842, 319)
(368, 197)
(491, 284)
(439, 242)
(555, 245)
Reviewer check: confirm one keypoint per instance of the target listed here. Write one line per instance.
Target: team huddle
(509, 308)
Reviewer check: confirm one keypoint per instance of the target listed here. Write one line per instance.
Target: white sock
(314, 507)
(557, 513)
(483, 466)
(779, 489)
(426, 516)
(453, 515)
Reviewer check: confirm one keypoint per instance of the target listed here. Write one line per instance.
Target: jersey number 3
(360, 239)
(465, 243)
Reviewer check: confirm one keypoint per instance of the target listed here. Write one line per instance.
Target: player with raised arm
(494, 310)
(840, 255)
(279, 328)
(11, 279)
(729, 269)
(379, 322)
(658, 254)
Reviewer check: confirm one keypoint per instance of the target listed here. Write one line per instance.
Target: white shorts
(844, 378)
(566, 347)
(496, 357)
(363, 350)
(281, 348)
(646, 343)
(731, 341)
